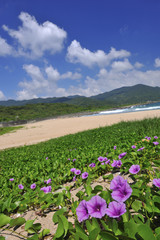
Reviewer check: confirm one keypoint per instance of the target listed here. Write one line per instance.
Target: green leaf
(2, 238)
(34, 237)
(17, 222)
(145, 232)
(60, 229)
(29, 224)
(58, 213)
(4, 220)
(81, 235)
(130, 228)
(107, 236)
(97, 189)
(65, 224)
(94, 234)
(136, 205)
(43, 233)
(88, 189)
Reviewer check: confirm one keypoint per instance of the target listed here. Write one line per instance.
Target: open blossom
(49, 181)
(117, 183)
(77, 172)
(84, 175)
(134, 169)
(133, 146)
(101, 159)
(20, 186)
(140, 149)
(33, 186)
(107, 162)
(149, 138)
(122, 155)
(11, 179)
(92, 165)
(82, 211)
(46, 158)
(72, 169)
(116, 209)
(46, 189)
(97, 207)
(155, 137)
(123, 193)
(115, 147)
(116, 163)
(155, 143)
(74, 160)
(156, 182)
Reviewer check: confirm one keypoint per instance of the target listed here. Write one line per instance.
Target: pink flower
(134, 169)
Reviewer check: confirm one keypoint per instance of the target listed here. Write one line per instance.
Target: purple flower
(116, 209)
(122, 155)
(49, 181)
(133, 146)
(102, 163)
(82, 211)
(72, 169)
(115, 147)
(33, 186)
(155, 143)
(117, 183)
(100, 159)
(20, 186)
(149, 138)
(11, 179)
(107, 162)
(92, 165)
(146, 137)
(77, 172)
(155, 137)
(46, 158)
(97, 207)
(105, 159)
(140, 149)
(116, 163)
(123, 193)
(74, 179)
(46, 189)
(134, 169)
(74, 160)
(69, 159)
(84, 175)
(156, 182)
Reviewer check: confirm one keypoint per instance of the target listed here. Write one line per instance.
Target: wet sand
(41, 131)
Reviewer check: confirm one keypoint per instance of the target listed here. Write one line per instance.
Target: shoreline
(44, 130)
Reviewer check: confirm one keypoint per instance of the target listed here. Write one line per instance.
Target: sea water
(136, 108)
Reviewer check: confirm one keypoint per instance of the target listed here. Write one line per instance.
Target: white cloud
(2, 96)
(5, 48)
(35, 39)
(77, 54)
(121, 66)
(108, 80)
(157, 62)
(71, 75)
(43, 83)
(138, 65)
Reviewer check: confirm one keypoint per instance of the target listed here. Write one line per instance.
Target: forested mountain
(122, 96)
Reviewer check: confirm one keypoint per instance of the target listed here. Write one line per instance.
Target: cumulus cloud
(77, 54)
(121, 66)
(34, 39)
(43, 83)
(107, 80)
(138, 65)
(2, 96)
(5, 48)
(157, 62)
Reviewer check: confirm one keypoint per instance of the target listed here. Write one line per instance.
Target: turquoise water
(137, 108)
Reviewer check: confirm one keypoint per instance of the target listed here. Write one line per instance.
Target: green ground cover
(4, 130)
(53, 160)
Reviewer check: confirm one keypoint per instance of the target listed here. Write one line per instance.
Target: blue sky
(54, 48)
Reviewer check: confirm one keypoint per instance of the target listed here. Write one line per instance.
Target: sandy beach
(33, 133)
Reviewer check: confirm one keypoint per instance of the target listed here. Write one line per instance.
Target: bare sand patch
(41, 131)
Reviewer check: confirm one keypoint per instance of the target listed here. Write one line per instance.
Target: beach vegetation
(127, 206)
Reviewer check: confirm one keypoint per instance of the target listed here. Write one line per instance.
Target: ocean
(136, 108)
